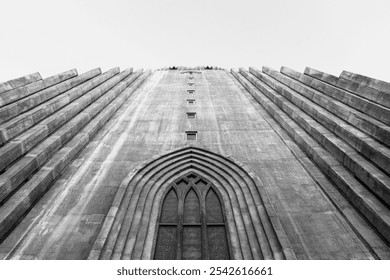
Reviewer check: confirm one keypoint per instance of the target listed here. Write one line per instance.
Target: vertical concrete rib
(16, 126)
(19, 82)
(382, 86)
(374, 210)
(14, 176)
(332, 87)
(21, 92)
(97, 116)
(28, 139)
(11, 110)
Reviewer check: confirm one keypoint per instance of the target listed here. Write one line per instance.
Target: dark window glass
(213, 208)
(169, 210)
(181, 228)
(166, 246)
(191, 208)
(218, 246)
(192, 243)
(191, 101)
(191, 115)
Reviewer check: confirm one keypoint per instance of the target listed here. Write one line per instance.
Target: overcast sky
(49, 36)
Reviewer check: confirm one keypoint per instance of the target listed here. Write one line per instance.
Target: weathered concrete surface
(67, 219)
(31, 101)
(368, 88)
(379, 247)
(285, 114)
(338, 89)
(19, 92)
(374, 178)
(19, 82)
(364, 80)
(377, 152)
(269, 89)
(69, 141)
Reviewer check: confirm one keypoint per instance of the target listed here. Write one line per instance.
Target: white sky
(49, 36)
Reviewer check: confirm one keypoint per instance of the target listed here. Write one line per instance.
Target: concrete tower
(195, 163)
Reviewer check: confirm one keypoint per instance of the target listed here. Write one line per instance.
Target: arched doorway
(192, 222)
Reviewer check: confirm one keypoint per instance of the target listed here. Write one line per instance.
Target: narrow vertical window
(216, 232)
(191, 208)
(167, 238)
(192, 230)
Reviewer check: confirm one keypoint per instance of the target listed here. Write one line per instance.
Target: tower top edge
(187, 68)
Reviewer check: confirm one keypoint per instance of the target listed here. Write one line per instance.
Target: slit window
(190, 91)
(191, 135)
(191, 115)
(191, 101)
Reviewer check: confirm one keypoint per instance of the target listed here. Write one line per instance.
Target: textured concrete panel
(317, 151)
(19, 82)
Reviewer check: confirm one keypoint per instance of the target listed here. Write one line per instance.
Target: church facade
(195, 163)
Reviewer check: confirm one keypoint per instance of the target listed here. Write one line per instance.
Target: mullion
(192, 185)
(202, 194)
(204, 223)
(180, 225)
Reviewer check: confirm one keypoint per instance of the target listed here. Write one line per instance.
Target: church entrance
(192, 222)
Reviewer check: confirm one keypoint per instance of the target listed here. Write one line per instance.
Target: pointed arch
(213, 207)
(170, 207)
(198, 236)
(191, 207)
(129, 230)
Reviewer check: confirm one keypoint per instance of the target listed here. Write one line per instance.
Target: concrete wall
(234, 118)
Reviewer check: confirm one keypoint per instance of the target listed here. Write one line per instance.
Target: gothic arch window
(191, 222)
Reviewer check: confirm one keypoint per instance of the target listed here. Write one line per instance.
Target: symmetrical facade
(195, 163)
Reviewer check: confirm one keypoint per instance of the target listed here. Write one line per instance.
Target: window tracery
(191, 222)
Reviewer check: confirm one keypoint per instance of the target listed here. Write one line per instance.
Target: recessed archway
(192, 222)
(130, 228)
